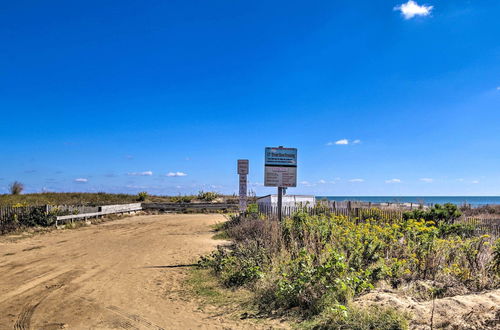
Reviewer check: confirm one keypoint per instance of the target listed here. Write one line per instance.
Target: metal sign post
(280, 171)
(243, 172)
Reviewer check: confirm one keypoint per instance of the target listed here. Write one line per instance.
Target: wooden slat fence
(101, 211)
(73, 209)
(489, 226)
(12, 217)
(352, 213)
(191, 207)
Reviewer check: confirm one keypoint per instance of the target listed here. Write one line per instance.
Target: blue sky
(379, 97)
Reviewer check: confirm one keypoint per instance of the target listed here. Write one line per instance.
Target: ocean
(458, 200)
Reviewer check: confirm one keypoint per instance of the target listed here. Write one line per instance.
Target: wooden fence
(489, 226)
(13, 217)
(101, 211)
(351, 213)
(9, 214)
(191, 207)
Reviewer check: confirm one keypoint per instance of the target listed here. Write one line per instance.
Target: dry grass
(100, 198)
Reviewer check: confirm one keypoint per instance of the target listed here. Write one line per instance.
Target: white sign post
(243, 167)
(280, 170)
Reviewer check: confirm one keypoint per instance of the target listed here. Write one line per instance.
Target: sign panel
(280, 176)
(281, 157)
(243, 166)
(243, 186)
(243, 171)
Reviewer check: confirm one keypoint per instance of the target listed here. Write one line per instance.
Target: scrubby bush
(21, 216)
(141, 197)
(241, 266)
(438, 213)
(208, 196)
(16, 188)
(316, 263)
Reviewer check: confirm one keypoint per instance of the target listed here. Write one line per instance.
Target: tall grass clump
(317, 264)
(16, 188)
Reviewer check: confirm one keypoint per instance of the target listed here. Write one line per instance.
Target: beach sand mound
(471, 311)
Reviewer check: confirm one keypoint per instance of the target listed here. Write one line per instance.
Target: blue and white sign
(280, 169)
(281, 157)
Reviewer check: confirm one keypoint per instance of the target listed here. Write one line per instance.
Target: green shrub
(457, 229)
(141, 197)
(208, 196)
(240, 266)
(438, 213)
(253, 208)
(317, 263)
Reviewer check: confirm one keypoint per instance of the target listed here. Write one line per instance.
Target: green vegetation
(141, 197)
(220, 231)
(208, 196)
(354, 318)
(21, 217)
(317, 264)
(182, 199)
(101, 198)
(204, 285)
(438, 213)
(66, 199)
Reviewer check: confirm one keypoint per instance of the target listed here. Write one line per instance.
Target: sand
(473, 311)
(123, 274)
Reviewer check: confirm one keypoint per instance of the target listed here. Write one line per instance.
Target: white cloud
(498, 88)
(145, 173)
(176, 174)
(412, 9)
(427, 180)
(356, 180)
(81, 180)
(322, 181)
(460, 180)
(475, 181)
(393, 181)
(342, 142)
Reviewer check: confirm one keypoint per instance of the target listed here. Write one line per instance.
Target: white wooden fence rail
(103, 210)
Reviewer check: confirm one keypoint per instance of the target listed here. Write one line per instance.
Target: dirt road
(125, 274)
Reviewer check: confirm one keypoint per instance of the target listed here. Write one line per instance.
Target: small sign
(280, 176)
(281, 157)
(243, 166)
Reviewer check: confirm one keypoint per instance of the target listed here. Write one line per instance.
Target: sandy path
(121, 274)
